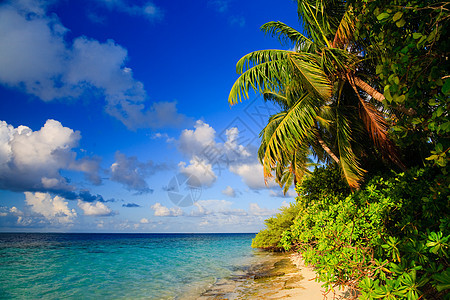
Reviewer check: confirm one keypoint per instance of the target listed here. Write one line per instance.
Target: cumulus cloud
(14, 217)
(32, 160)
(148, 9)
(252, 175)
(53, 209)
(96, 209)
(201, 142)
(229, 191)
(200, 170)
(144, 221)
(162, 211)
(206, 154)
(130, 172)
(35, 57)
(195, 142)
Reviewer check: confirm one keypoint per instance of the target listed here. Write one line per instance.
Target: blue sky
(109, 106)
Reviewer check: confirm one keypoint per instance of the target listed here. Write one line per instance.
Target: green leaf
(432, 157)
(382, 16)
(379, 69)
(387, 93)
(400, 23)
(446, 87)
(443, 279)
(417, 35)
(400, 99)
(397, 16)
(445, 127)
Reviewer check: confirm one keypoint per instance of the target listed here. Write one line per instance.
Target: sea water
(117, 266)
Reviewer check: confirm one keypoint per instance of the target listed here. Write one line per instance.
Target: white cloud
(148, 9)
(13, 217)
(256, 210)
(97, 209)
(232, 144)
(221, 214)
(229, 191)
(200, 170)
(32, 160)
(194, 142)
(215, 207)
(54, 209)
(201, 142)
(35, 57)
(252, 175)
(132, 173)
(206, 154)
(279, 193)
(144, 221)
(134, 114)
(160, 135)
(162, 211)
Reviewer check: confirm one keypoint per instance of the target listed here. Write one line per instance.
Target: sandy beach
(280, 276)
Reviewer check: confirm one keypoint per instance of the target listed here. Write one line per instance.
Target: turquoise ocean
(118, 266)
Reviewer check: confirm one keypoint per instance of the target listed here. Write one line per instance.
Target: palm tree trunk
(327, 150)
(377, 95)
(368, 89)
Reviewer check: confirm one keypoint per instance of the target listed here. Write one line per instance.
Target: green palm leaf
(286, 131)
(269, 70)
(348, 160)
(286, 34)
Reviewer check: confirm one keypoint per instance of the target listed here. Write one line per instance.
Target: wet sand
(276, 276)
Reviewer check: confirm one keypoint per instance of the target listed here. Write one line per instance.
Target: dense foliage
(388, 240)
(325, 182)
(270, 237)
(408, 45)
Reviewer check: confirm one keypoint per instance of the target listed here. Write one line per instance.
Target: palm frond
(377, 127)
(351, 169)
(286, 131)
(274, 69)
(286, 34)
(344, 32)
(260, 70)
(311, 75)
(320, 17)
(278, 98)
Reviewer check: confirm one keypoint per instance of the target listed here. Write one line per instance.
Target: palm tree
(319, 86)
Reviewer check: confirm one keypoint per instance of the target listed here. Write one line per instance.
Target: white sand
(293, 282)
(307, 288)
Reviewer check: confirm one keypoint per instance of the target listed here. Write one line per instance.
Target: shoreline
(273, 276)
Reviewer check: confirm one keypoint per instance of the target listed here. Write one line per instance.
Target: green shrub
(324, 182)
(269, 238)
(389, 240)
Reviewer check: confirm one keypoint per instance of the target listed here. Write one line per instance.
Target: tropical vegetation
(364, 90)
